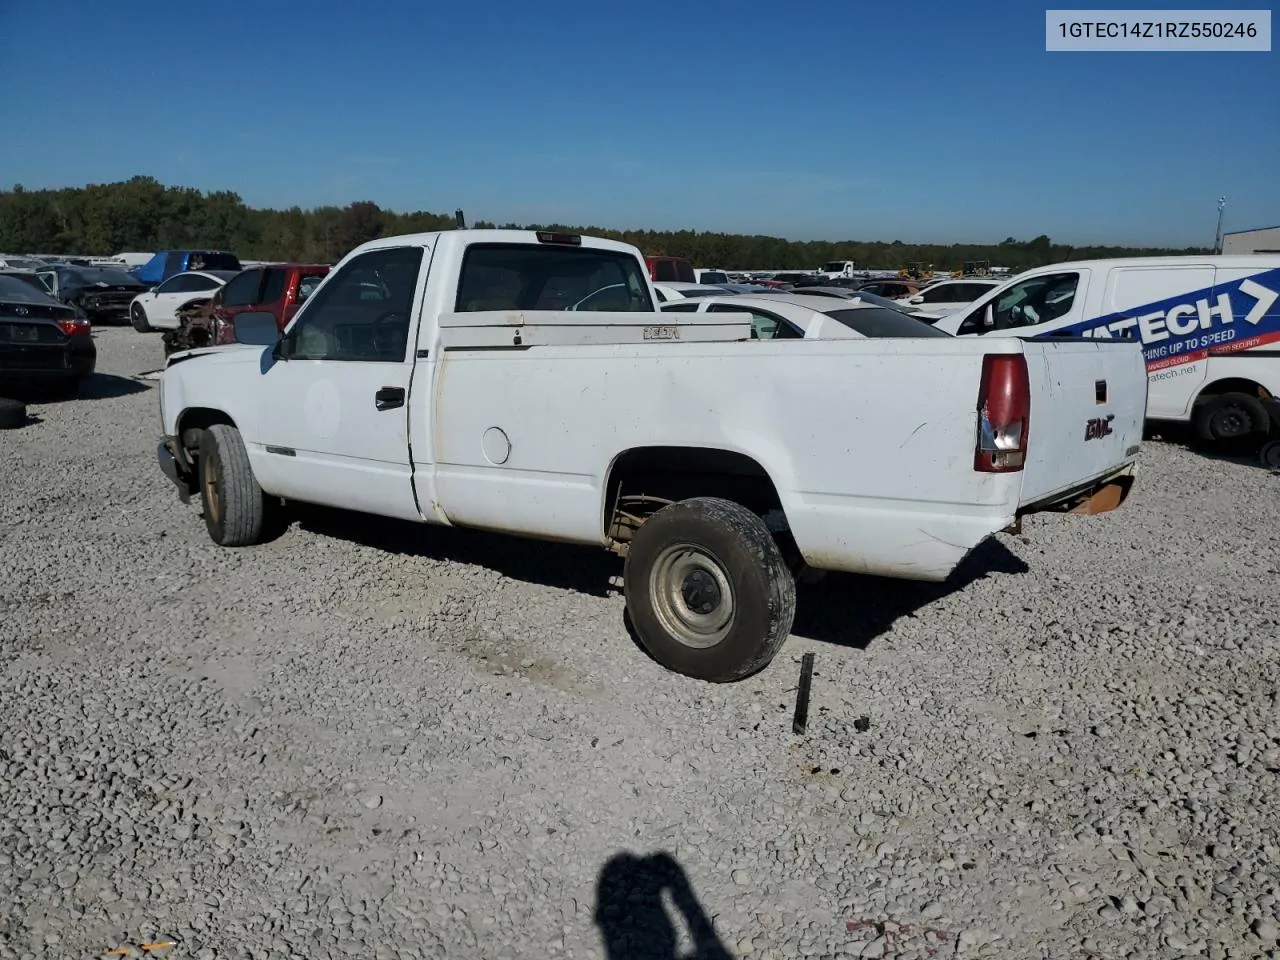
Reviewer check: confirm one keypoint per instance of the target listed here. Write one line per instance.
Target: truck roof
(466, 237)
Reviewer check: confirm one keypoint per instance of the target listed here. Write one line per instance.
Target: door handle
(388, 398)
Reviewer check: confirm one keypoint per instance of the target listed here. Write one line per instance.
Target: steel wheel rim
(1231, 422)
(692, 596)
(211, 487)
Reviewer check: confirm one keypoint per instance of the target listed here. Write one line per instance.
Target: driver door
(333, 402)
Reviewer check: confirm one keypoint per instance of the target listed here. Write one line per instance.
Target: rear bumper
(1099, 495)
(69, 360)
(173, 468)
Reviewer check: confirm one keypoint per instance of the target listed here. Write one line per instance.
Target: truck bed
(877, 476)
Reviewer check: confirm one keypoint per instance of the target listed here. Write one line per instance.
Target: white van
(1209, 326)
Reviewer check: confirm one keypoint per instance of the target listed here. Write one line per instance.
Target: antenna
(460, 219)
(1217, 240)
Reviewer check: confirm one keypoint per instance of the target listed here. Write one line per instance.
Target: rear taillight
(74, 326)
(1004, 414)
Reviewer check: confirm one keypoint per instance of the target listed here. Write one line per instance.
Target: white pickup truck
(447, 378)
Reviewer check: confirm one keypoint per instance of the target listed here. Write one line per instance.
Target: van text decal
(1233, 316)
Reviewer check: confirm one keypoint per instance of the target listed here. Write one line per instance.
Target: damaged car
(103, 294)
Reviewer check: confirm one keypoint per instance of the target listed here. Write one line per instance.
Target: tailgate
(1088, 403)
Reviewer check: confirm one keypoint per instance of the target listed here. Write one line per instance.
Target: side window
(362, 314)
(1035, 301)
(273, 289)
(306, 286)
(184, 283)
(49, 281)
(764, 326)
(241, 290)
(970, 292)
(195, 283)
(943, 293)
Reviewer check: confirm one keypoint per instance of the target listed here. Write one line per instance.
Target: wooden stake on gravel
(801, 719)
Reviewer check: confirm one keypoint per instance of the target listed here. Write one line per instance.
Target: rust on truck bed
(1098, 496)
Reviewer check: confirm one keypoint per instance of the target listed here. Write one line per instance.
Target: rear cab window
(498, 276)
(880, 323)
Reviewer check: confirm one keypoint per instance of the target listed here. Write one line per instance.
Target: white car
(860, 296)
(677, 290)
(948, 296)
(797, 316)
(157, 309)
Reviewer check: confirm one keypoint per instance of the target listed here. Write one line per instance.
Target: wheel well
(193, 423)
(1234, 385)
(643, 480)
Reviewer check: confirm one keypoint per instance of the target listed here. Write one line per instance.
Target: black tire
(1269, 455)
(138, 317)
(1229, 416)
(723, 551)
(234, 505)
(13, 414)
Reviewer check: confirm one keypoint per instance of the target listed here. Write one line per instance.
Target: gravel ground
(371, 740)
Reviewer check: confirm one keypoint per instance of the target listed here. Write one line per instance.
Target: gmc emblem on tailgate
(1098, 427)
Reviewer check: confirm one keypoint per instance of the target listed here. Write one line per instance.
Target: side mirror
(916, 300)
(256, 329)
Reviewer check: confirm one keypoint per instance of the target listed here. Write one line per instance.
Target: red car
(670, 268)
(277, 288)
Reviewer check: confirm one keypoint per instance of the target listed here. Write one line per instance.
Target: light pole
(1217, 242)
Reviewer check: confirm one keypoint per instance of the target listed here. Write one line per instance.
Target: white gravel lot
(374, 740)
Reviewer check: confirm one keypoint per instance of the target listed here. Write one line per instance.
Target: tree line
(141, 214)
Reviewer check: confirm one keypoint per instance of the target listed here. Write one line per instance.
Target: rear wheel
(1269, 455)
(708, 590)
(234, 505)
(138, 317)
(1229, 416)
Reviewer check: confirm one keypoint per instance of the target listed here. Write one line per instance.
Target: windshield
(714, 276)
(879, 323)
(88, 275)
(23, 263)
(835, 266)
(23, 289)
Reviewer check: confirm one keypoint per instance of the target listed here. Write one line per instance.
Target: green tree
(143, 214)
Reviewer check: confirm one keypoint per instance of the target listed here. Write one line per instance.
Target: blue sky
(930, 122)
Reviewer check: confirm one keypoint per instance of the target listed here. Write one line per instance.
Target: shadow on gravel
(1243, 452)
(852, 610)
(98, 386)
(582, 569)
(633, 919)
